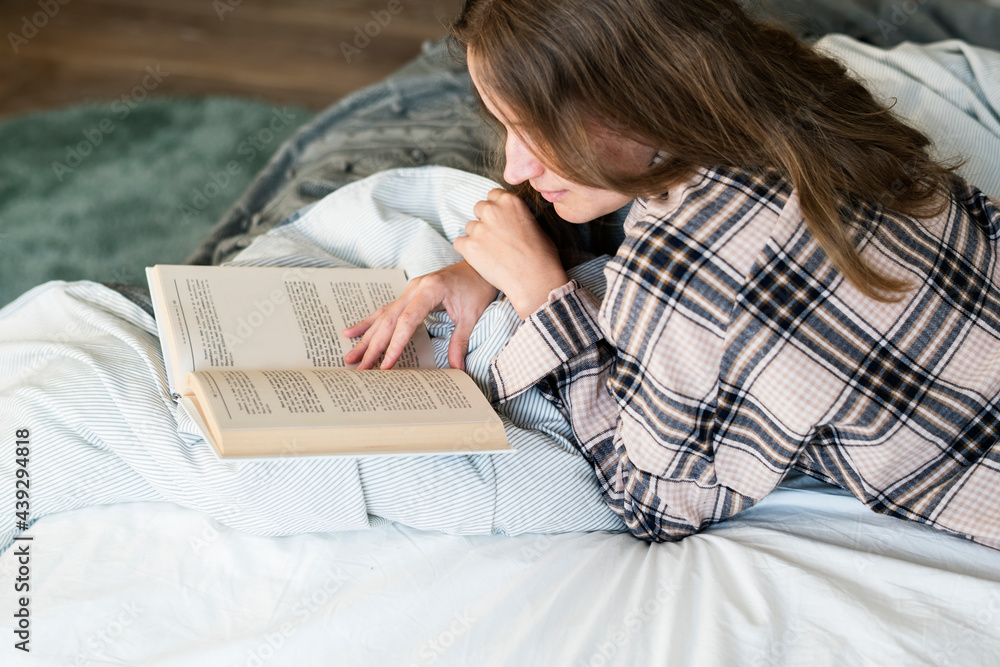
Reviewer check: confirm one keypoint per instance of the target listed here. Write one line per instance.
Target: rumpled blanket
(81, 370)
(425, 114)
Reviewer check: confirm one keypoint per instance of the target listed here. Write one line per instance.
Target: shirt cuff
(558, 331)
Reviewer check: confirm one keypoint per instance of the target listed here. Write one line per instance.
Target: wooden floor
(304, 52)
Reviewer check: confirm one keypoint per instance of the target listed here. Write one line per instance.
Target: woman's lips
(553, 195)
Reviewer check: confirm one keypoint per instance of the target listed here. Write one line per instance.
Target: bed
(145, 549)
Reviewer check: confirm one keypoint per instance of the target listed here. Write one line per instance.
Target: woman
(800, 287)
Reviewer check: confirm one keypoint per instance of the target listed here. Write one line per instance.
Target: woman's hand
(462, 292)
(509, 249)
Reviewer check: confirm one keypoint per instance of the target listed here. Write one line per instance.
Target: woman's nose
(522, 165)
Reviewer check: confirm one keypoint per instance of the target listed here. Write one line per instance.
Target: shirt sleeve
(560, 348)
(554, 335)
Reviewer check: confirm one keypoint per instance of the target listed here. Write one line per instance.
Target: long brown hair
(710, 87)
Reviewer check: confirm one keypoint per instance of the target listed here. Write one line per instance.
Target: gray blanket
(425, 114)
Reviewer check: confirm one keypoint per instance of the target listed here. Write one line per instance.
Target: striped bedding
(82, 371)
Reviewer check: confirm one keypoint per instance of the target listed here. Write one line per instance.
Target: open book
(255, 356)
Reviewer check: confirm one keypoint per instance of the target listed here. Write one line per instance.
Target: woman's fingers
(356, 353)
(358, 329)
(369, 329)
(478, 210)
(389, 329)
(405, 325)
(458, 347)
(459, 243)
(376, 346)
(385, 333)
(508, 248)
(361, 327)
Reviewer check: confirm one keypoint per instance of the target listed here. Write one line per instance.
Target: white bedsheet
(808, 577)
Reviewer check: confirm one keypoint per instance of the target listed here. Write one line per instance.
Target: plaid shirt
(728, 350)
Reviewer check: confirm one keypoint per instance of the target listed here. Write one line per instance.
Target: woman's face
(573, 202)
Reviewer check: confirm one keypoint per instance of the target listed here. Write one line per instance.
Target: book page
(333, 397)
(270, 317)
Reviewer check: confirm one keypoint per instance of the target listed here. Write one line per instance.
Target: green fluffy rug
(100, 191)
